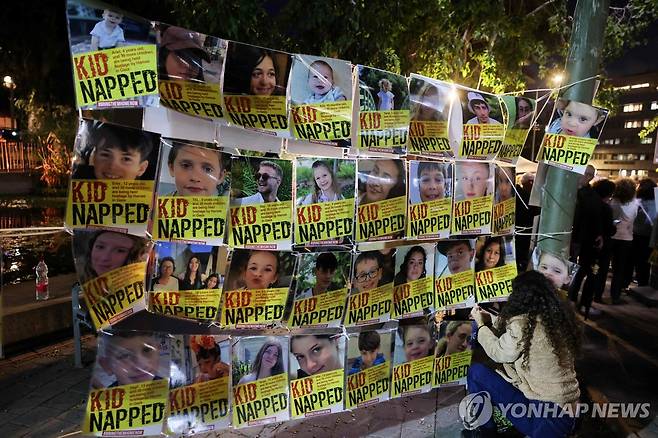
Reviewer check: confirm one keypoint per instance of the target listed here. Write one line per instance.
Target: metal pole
(586, 45)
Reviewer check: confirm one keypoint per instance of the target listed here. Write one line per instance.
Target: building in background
(621, 152)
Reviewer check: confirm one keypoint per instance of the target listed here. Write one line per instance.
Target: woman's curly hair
(534, 296)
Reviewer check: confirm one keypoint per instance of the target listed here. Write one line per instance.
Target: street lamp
(9, 84)
(556, 79)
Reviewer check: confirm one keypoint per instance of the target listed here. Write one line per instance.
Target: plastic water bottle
(42, 281)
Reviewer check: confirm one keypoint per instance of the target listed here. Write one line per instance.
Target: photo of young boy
(453, 257)
(93, 26)
(319, 80)
(104, 151)
(323, 272)
(127, 357)
(183, 266)
(473, 179)
(368, 349)
(415, 339)
(479, 108)
(193, 170)
(577, 119)
(429, 181)
(556, 268)
(370, 270)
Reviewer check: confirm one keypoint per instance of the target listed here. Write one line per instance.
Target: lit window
(642, 173)
(654, 105)
(645, 123)
(632, 124)
(643, 157)
(646, 140)
(625, 87)
(631, 107)
(617, 140)
(644, 85)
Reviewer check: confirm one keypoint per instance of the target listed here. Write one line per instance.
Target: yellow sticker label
(192, 98)
(368, 386)
(412, 377)
(322, 121)
(494, 284)
(260, 225)
(200, 407)
(429, 220)
(262, 113)
(454, 290)
(410, 299)
(504, 214)
(253, 308)
(472, 216)
(369, 307)
(481, 141)
(200, 305)
(199, 219)
(429, 138)
(382, 131)
(449, 370)
(317, 395)
(381, 220)
(324, 222)
(260, 402)
(324, 310)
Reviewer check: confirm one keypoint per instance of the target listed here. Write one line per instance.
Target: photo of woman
(255, 71)
(192, 278)
(183, 266)
(165, 279)
(455, 337)
(267, 363)
(380, 180)
(315, 354)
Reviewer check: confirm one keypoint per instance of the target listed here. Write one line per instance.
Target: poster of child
(430, 100)
(454, 257)
(259, 357)
(577, 119)
(186, 55)
(382, 90)
(505, 177)
(183, 266)
(557, 268)
(255, 71)
(316, 80)
(414, 263)
(322, 272)
(259, 269)
(193, 169)
(315, 354)
(324, 180)
(414, 339)
(494, 252)
(373, 269)
(380, 180)
(473, 179)
(105, 151)
(367, 349)
(479, 108)
(429, 181)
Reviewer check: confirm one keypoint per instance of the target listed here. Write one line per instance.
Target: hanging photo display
(495, 268)
(383, 111)
(256, 288)
(129, 385)
(199, 384)
(520, 113)
(557, 268)
(112, 181)
(454, 274)
(325, 201)
(113, 56)
(316, 374)
(431, 103)
(111, 268)
(413, 294)
(193, 193)
(572, 135)
(368, 370)
(413, 363)
(320, 98)
(483, 131)
(255, 84)
(260, 380)
(453, 353)
(382, 203)
(260, 215)
(185, 281)
(321, 289)
(190, 67)
(430, 200)
(474, 184)
(371, 297)
(504, 208)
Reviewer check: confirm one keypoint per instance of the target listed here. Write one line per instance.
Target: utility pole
(585, 49)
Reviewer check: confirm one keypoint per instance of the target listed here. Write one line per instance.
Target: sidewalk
(42, 395)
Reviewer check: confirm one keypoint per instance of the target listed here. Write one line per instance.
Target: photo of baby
(558, 269)
(473, 179)
(319, 80)
(577, 119)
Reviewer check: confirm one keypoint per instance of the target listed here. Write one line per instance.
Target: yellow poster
(317, 395)
(512, 145)
(412, 377)
(381, 220)
(267, 114)
(504, 214)
(129, 410)
(383, 131)
(322, 121)
(324, 310)
(369, 386)
(260, 402)
(410, 299)
(200, 305)
(452, 369)
(567, 152)
(198, 219)
(260, 226)
(192, 98)
(454, 290)
(369, 307)
(197, 408)
(429, 138)
(115, 74)
(253, 308)
(324, 222)
(494, 284)
(472, 216)
(429, 220)
(115, 295)
(481, 141)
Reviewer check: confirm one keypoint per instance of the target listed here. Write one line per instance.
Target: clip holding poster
(572, 135)
(495, 268)
(254, 90)
(454, 274)
(431, 107)
(453, 353)
(325, 201)
(256, 288)
(260, 215)
(430, 200)
(382, 203)
(413, 293)
(368, 370)
(472, 208)
(113, 175)
(316, 387)
(321, 289)
(193, 193)
(321, 99)
(129, 385)
(190, 67)
(520, 113)
(114, 63)
(260, 380)
(482, 129)
(111, 268)
(382, 126)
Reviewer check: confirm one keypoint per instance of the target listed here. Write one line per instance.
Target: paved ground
(42, 394)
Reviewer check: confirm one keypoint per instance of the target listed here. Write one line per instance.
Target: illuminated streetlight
(9, 84)
(557, 79)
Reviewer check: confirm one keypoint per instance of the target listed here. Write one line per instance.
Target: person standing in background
(624, 210)
(642, 228)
